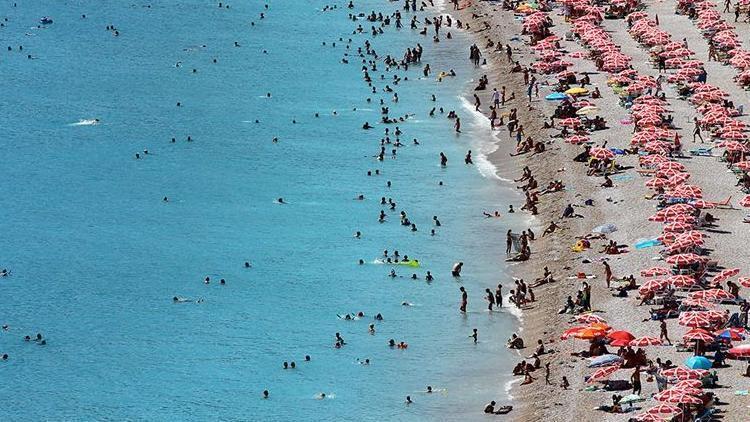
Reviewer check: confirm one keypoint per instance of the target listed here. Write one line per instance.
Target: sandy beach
(623, 205)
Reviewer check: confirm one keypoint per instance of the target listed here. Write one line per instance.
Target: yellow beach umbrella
(577, 91)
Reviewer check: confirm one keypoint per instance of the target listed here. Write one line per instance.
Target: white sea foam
(484, 147)
(85, 122)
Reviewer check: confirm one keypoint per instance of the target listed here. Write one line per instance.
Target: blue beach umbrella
(698, 362)
(556, 96)
(604, 360)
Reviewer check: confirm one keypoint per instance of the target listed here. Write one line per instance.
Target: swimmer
(358, 235)
(429, 389)
(280, 201)
(408, 400)
(307, 358)
(510, 209)
(429, 276)
(474, 335)
(247, 264)
(371, 329)
(265, 394)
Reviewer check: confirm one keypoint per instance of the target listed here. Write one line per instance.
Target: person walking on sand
(546, 374)
(664, 335)
(464, 299)
(495, 97)
(697, 129)
(607, 273)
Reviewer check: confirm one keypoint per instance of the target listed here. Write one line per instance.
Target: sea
(116, 200)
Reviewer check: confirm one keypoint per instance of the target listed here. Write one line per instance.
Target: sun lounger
(701, 152)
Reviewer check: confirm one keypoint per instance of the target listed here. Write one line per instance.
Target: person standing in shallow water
(464, 299)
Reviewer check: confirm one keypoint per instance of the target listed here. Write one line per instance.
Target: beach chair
(701, 152)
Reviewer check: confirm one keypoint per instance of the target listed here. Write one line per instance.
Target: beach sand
(623, 205)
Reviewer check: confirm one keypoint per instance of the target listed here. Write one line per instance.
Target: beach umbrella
(712, 294)
(620, 335)
(678, 209)
(604, 360)
(698, 362)
(745, 202)
(698, 303)
(684, 259)
(677, 227)
(701, 204)
(589, 319)
(688, 384)
(698, 334)
(655, 271)
(741, 351)
(656, 182)
(694, 319)
(576, 139)
(664, 411)
(732, 334)
(670, 165)
(569, 122)
(725, 274)
(744, 281)
(601, 153)
(653, 286)
(603, 374)
(685, 373)
(577, 91)
(678, 178)
(682, 399)
(570, 331)
(681, 280)
(556, 96)
(645, 341)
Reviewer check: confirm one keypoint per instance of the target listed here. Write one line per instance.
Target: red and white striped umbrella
(682, 281)
(653, 286)
(699, 334)
(698, 303)
(590, 319)
(655, 271)
(741, 351)
(656, 182)
(680, 398)
(670, 165)
(663, 410)
(689, 383)
(684, 259)
(724, 275)
(602, 374)
(744, 281)
(601, 153)
(695, 319)
(678, 209)
(684, 373)
(692, 391)
(645, 341)
(677, 227)
(712, 294)
(745, 202)
(701, 204)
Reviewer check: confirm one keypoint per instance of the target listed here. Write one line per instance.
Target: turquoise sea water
(96, 255)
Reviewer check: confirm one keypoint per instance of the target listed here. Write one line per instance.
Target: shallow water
(97, 256)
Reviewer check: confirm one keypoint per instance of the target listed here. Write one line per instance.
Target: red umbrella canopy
(745, 202)
(664, 409)
(681, 398)
(645, 341)
(654, 271)
(603, 374)
(601, 153)
(725, 274)
(685, 373)
(684, 259)
(698, 334)
(741, 351)
(712, 294)
(689, 383)
(744, 281)
(695, 319)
